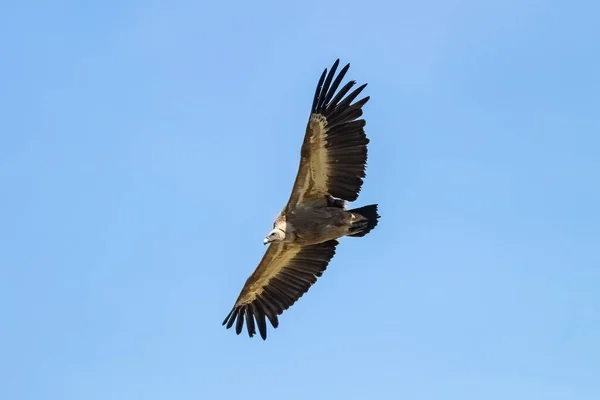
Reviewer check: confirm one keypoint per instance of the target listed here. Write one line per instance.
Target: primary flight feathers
(332, 166)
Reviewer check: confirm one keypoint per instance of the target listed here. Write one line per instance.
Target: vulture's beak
(265, 241)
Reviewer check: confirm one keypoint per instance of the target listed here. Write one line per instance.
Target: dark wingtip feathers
(323, 99)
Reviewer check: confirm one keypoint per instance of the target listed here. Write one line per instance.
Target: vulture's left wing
(284, 274)
(334, 151)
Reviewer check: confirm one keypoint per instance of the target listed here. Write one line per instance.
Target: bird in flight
(305, 234)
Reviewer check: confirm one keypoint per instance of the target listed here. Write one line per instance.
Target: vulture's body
(314, 225)
(304, 236)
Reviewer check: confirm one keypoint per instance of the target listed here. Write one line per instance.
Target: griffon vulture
(304, 236)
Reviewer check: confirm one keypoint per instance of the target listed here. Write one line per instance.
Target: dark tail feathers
(362, 227)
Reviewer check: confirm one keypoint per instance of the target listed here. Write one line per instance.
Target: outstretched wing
(284, 274)
(334, 151)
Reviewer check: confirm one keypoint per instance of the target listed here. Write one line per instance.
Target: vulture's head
(276, 235)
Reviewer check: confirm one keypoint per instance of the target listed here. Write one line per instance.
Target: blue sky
(147, 147)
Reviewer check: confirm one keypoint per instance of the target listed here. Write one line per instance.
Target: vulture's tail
(366, 224)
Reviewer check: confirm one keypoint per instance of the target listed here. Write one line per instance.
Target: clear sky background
(147, 146)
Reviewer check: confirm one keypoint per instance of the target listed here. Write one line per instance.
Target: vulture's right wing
(284, 274)
(334, 151)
